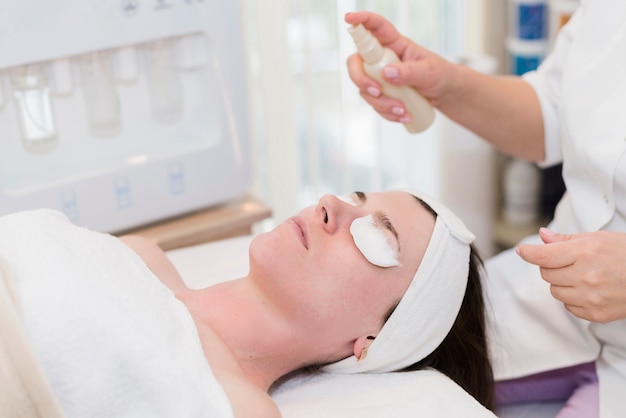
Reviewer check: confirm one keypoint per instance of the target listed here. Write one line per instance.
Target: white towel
(112, 340)
(423, 393)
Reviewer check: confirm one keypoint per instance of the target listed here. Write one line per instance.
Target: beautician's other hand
(587, 272)
(430, 74)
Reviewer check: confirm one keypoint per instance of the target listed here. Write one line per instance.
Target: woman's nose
(332, 212)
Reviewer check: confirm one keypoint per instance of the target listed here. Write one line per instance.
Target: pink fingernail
(405, 119)
(390, 72)
(396, 110)
(373, 91)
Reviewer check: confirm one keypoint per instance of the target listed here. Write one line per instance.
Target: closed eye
(380, 216)
(383, 220)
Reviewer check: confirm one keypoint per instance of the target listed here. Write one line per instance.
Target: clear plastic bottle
(375, 58)
(166, 94)
(522, 183)
(102, 102)
(34, 108)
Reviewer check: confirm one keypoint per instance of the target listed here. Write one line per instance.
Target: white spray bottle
(375, 58)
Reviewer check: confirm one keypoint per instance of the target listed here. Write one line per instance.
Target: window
(312, 133)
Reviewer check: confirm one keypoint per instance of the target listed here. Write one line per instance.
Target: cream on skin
(371, 240)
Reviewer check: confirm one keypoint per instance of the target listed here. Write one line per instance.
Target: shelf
(507, 235)
(228, 220)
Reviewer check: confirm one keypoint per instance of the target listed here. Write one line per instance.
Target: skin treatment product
(166, 94)
(101, 99)
(126, 65)
(190, 52)
(375, 58)
(31, 92)
(371, 241)
(522, 184)
(61, 77)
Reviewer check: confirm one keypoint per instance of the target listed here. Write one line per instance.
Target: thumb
(427, 72)
(409, 73)
(548, 236)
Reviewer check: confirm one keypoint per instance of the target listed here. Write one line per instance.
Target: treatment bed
(32, 384)
(413, 394)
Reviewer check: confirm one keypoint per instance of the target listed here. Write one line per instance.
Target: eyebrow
(362, 198)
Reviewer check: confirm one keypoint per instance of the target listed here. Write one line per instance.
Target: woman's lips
(300, 230)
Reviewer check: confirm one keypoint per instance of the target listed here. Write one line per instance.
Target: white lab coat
(582, 90)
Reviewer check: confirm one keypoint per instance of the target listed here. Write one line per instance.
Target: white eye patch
(372, 242)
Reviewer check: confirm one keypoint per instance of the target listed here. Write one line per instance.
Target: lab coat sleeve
(546, 81)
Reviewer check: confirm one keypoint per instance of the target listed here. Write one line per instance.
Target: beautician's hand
(587, 272)
(420, 68)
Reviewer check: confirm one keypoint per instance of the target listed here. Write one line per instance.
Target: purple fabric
(577, 385)
(584, 403)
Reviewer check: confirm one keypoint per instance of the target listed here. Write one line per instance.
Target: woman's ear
(361, 345)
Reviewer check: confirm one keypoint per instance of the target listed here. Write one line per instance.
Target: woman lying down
(368, 283)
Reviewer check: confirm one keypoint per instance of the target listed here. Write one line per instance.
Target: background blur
(311, 132)
(128, 113)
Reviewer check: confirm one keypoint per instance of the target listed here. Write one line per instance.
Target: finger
(416, 73)
(561, 276)
(381, 29)
(601, 315)
(549, 236)
(582, 305)
(371, 88)
(354, 18)
(390, 109)
(566, 294)
(579, 311)
(425, 72)
(553, 255)
(385, 105)
(359, 78)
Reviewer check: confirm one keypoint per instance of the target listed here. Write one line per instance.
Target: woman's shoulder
(247, 399)
(156, 260)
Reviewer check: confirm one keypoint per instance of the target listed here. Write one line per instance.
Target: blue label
(177, 179)
(531, 21)
(521, 65)
(122, 192)
(69, 205)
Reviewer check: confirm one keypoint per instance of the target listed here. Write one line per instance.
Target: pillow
(424, 393)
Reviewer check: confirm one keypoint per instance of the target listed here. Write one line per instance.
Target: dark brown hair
(463, 355)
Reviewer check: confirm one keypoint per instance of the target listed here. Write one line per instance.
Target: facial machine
(121, 112)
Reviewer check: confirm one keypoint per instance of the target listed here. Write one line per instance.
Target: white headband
(430, 305)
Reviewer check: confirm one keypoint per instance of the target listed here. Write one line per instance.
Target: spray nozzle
(367, 45)
(358, 32)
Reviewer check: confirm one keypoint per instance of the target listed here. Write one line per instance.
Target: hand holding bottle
(418, 68)
(503, 110)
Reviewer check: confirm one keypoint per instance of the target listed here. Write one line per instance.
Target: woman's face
(311, 269)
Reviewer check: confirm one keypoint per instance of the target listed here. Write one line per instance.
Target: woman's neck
(242, 333)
